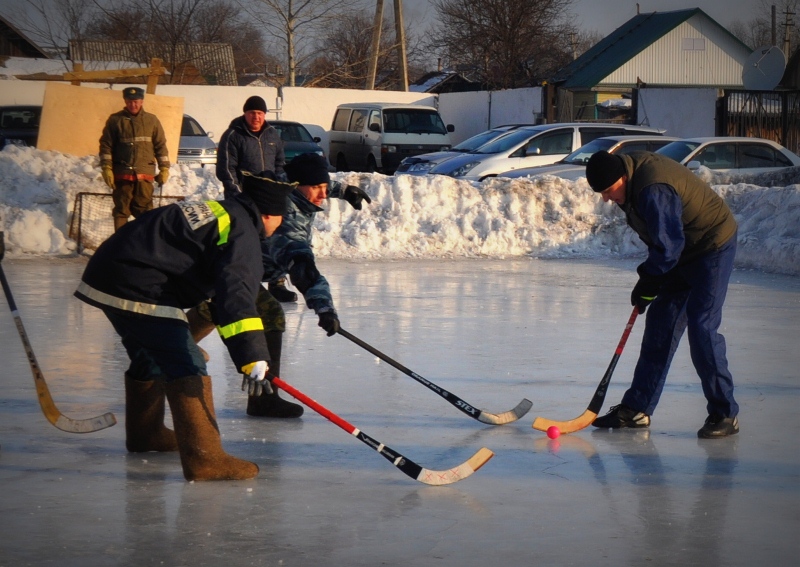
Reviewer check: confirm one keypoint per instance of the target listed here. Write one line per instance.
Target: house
(438, 82)
(680, 48)
(14, 43)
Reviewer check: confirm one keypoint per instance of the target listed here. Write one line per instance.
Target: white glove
(256, 380)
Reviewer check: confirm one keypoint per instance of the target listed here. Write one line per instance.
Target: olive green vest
(707, 221)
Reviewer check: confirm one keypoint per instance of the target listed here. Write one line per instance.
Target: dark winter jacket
(675, 213)
(242, 150)
(292, 239)
(176, 256)
(134, 145)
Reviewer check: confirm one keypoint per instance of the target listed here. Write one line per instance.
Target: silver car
(196, 146)
(573, 166)
(731, 154)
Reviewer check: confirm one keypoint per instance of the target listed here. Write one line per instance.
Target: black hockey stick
(409, 467)
(483, 416)
(49, 408)
(587, 417)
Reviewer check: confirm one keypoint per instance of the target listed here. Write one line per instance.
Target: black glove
(303, 272)
(645, 291)
(330, 322)
(354, 195)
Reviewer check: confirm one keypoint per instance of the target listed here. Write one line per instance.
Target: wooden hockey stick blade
(587, 417)
(409, 467)
(483, 416)
(49, 409)
(506, 417)
(581, 422)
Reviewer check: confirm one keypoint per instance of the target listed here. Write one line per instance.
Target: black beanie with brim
(603, 170)
(270, 196)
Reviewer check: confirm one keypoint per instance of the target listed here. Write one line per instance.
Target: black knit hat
(308, 169)
(255, 103)
(603, 170)
(270, 196)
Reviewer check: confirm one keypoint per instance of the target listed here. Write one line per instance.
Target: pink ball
(553, 432)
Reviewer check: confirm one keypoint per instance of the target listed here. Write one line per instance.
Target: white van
(377, 136)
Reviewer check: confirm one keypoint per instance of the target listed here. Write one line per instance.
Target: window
(357, 120)
(559, 142)
(341, 119)
(717, 156)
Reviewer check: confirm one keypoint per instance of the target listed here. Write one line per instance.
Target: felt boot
(199, 442)
(144, 417)
(272, 405)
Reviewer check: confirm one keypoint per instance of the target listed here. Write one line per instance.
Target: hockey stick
(409, 467)
(49, 408)
(585, 419)
(481, 415)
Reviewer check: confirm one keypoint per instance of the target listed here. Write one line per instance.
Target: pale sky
(605, 16)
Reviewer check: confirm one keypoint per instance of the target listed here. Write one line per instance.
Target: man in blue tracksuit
(145, 275)
(690, 235)
(289, 251)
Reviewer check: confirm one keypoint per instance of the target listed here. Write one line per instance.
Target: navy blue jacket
(176, 256)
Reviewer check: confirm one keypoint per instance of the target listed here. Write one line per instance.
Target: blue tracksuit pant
(691, 299)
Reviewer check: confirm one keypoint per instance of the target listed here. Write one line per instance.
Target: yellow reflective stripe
(243, 326)
(132, 306)
(223, 221)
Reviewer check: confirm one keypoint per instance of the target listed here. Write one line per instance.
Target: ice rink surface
(492, 332)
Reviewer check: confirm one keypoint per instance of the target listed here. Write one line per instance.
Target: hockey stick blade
(46, 402)
(586, 418)
(481, 415)
(409, 467)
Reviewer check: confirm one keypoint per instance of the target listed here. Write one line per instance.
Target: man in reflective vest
(146, 274)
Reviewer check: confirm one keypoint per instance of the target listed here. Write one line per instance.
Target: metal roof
(619, 47)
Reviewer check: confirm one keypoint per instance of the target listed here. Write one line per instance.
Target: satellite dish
(764, 69)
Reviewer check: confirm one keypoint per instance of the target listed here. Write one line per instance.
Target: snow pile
(420, 217)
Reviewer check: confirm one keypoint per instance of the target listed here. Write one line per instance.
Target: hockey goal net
(91, 217)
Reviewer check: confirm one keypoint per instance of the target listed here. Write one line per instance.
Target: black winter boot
(279, 291)
(272, 405)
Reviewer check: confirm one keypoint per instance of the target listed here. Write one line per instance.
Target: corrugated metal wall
(693, 54)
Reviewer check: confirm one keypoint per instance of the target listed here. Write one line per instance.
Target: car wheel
(341, 163)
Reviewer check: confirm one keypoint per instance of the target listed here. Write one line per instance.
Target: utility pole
(400, 38)
(376, 45)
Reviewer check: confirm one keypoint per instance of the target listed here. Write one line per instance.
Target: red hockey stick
(587, 417)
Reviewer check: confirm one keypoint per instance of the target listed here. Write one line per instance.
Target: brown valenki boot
(272, 405)
(144, 417)
(199, 443)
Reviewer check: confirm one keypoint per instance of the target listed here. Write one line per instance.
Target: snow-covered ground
(420, 217)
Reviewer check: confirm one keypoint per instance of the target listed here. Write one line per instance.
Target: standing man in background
(251, 144)
(133, 143)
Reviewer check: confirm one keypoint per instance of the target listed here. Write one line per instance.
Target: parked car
(296, 139)
(20, 124)
(422, 164)
(573, 166)
(196, 146)
(377, 136)
(731, 154)
(530, 146)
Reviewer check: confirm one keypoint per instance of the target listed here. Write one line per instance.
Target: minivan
(378, 136)
(531, 146)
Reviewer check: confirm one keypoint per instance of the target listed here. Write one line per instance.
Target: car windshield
(507, 141)
(678, 150)
(581, 155)
(413, 121)
(477, 141)
(293, 132)
(19, 119)
(190, 127)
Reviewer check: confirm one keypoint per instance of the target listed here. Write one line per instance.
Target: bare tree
(757, 30)
(294, 25)
(506, 43)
